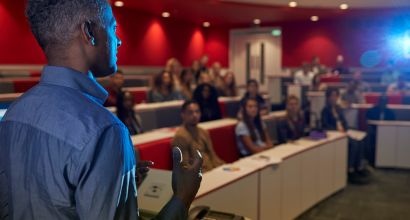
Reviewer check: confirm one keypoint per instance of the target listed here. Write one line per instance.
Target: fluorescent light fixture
(314, 18)
(293, 4)
(256, 21)
(344, 6)
(119, 3)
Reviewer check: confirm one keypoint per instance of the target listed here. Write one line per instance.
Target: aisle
(387, 197)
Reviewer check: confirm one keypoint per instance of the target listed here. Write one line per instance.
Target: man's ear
(88, 33)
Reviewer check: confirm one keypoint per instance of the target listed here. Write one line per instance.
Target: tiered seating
(156, 145)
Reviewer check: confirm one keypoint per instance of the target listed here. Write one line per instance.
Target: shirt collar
(67, 77)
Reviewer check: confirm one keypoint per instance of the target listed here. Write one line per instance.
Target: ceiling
(331, 3)
(241, 12)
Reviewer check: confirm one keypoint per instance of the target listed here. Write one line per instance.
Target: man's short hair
(252, 81)
(330, 91)
(188, 103)
(54, 22)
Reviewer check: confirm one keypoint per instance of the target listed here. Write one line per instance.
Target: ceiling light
(206, 24)
(119, 3)
(166, 14)
(314, 18)
(344, 6)
(256, 21)
(293, 4)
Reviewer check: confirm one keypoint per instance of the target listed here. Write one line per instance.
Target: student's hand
(186, 178)
(142, 170)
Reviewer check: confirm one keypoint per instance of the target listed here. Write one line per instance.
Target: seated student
(333, 119)
(115, 88)
(187, 83)
(251, 133)
(399, 86)
(381, 111)
(252, 91)
(378, 112)
(361, 86)
(207, 98)
(340, 68)
(217, 78)
(173, 67)
(190, 137)
(391, 74)
(304, 76)
(230, 89)
(163, 89)
(317, 85)
(205, 77)
(352, 95)
(293, 126)
(126, 113)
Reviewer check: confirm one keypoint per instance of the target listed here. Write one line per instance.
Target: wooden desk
(280, 183)
(392, 143)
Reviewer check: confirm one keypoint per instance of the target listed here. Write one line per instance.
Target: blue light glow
(406, 44)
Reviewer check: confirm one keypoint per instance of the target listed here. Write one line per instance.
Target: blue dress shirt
(63, 155)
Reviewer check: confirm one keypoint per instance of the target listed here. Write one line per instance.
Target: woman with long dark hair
(333, 119)
(251, 133)
(163, 88)
(126, 113)
(207, 98)
(230, 89)
(187, 83)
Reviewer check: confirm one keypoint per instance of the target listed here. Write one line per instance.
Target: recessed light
(206, 24)
(119, 3)
(166, 14)
(293, 4)
(314, 18)
(256, 21)
(344, 6)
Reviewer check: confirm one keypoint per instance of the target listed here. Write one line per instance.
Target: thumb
(176, 157)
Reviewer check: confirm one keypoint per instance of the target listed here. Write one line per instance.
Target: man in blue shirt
(62, 154)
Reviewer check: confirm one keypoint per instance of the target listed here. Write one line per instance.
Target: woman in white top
(251, 133)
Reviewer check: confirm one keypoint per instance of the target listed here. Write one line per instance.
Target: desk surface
(9, 96)
(390, 123)
(242, 168)
(367, 106)
(288, 150)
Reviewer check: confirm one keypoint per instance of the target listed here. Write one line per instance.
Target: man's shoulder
(66, 115)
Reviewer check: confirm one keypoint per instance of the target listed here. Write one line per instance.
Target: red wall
(150, 40)
(349, 37)
(17, 45)
(147, 40)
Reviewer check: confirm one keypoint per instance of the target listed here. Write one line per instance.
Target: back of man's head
(54, 22)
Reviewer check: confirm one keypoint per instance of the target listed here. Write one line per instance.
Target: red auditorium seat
(22, 85)
(222, 107)
(330, 79)
(140, 94)
(373, 98)
(157, 151)
(35, 74)
(224, 142)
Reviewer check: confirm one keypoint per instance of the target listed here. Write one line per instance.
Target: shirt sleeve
(106, 178)
(241, 129)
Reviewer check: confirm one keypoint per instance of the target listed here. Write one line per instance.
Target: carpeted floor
(387, 197)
